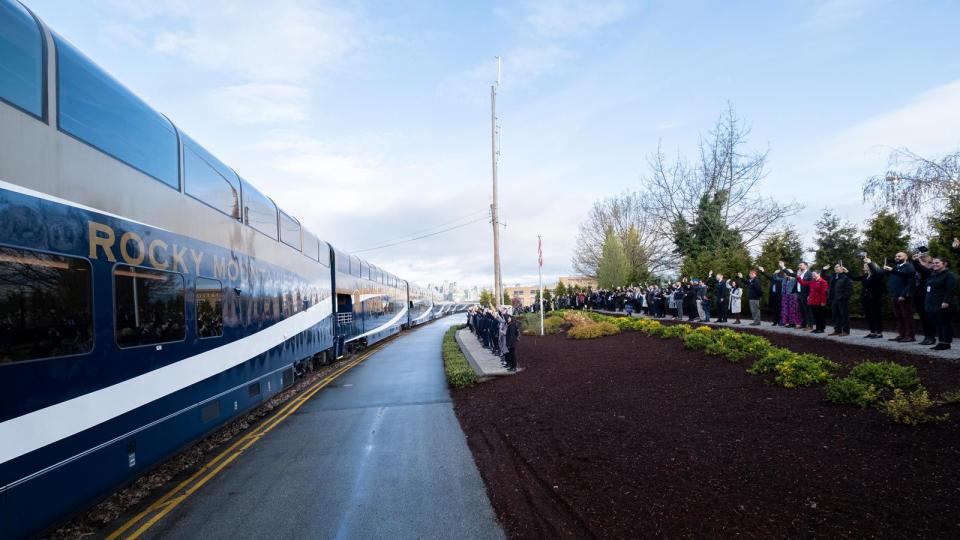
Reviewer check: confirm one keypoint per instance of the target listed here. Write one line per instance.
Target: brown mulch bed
(632, 436)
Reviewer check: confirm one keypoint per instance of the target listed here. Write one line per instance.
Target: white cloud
(262, 103)
(927, 125)
(573, 18)
(283, 40)
(829, 14)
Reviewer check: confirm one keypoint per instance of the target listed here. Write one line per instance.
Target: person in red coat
(817, 299)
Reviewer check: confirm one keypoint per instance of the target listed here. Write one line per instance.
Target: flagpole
(540, 271)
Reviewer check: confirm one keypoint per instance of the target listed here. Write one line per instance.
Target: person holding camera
(900, 280)
(940, 302)
(841, 289)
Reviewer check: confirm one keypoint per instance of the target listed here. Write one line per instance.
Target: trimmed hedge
(455, 365)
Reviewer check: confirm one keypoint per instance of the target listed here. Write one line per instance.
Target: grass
(455, 365)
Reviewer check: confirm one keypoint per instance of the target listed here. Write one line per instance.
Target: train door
(345, 322)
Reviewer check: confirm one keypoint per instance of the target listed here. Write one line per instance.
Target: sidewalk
(482, 360)
(855, 337)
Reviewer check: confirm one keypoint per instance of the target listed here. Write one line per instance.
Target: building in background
(527, 294)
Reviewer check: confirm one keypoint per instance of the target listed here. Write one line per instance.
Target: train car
(421, 305)
(371, 303)
(148, 293)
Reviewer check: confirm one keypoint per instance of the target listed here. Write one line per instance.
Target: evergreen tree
(946, 227)
(486, 298)
(782, 246)
(614, 270)
(837, 241)
(560, 289)
(884, 237)
(636, 256)
(709, 243)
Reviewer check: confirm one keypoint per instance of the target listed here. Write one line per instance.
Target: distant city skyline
(370, 121)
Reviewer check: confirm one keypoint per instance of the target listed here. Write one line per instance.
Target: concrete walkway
(484, 362)
(855, 337)
(378, 454)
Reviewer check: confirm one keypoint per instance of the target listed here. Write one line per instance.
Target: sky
(370, 121)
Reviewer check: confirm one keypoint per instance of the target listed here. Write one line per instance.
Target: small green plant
(675, 331)
(768, 362)
(911, 409)
(886, 375)
(697, 339)
(455, 366)
(951, 398)
(851, 391)
(593, 331)
(804, 370)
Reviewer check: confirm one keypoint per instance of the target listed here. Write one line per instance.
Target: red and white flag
(540, 251)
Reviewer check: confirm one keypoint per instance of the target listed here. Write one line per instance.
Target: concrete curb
(484, 364)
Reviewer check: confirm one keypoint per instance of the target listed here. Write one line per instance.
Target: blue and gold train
(148, 293)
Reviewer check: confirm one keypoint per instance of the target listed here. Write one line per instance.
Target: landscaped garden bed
(637, 435)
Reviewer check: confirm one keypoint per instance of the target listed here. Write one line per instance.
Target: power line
(421, 237)
(437, 226)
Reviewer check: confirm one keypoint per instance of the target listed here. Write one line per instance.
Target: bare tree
(620, 213)
(915, 187)
(674, 188)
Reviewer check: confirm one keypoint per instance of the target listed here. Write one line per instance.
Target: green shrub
(768, 362)
(593, 331)
(675, 331)
(886, 375)
(804, 370)
(455, 366)
(626, 323)
(911, 409)
(697, 339)
(851, 391)
(553, 325)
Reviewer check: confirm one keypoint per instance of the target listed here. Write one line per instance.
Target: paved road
(378, 454)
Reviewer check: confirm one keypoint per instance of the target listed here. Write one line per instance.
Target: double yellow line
(165, 504)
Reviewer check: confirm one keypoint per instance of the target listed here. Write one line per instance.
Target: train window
(311, 246)
(342, 260)
(150, 306)
(208, 180)
(209, 308)
(21, 59)
(324, 253)
(364, 270)
(289, 231)
(45, 305)
(259, 212)
(99, 111)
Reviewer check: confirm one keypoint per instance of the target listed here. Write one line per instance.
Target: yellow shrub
(593, 330)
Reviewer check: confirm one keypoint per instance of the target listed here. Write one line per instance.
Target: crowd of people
(799, 298)
(498, 331)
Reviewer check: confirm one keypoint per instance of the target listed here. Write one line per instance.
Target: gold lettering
(233, 270)
(94, 240)
(219, 268)
(197, 257)
(152, 254)
(178, 256)
(124, 241)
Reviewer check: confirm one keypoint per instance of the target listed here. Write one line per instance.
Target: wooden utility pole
(495, 155)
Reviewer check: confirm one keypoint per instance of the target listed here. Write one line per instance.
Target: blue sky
(370, 120)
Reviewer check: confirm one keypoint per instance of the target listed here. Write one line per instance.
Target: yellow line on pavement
(162, 506)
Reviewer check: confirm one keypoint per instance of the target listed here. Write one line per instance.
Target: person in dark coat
(921, 262)
(871, 297)
(754, 295)
(841, 289)
(803, 292)
(939, 302)
(776, 290)
(721, 297)
(513, 335)
(900, 279)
